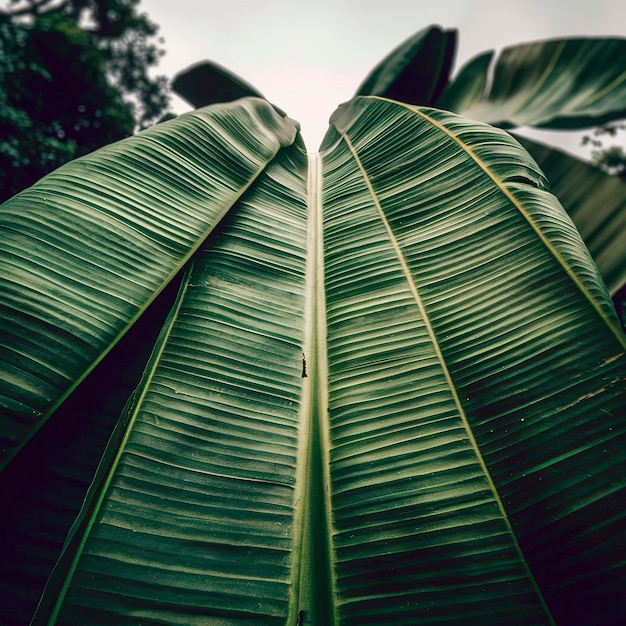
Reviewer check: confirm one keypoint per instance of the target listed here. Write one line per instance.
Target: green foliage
(545, 84)
(384, 384)
(532, 85)
(28, 148)
(68, 90)
(415, 72)
(610, 159)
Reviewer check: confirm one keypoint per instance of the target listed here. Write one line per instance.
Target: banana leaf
(43, 488)
(468, 86)
(459, 256)
(84, 252)
(389, 389)
(559, 84)
(208, 83)
(416, 71)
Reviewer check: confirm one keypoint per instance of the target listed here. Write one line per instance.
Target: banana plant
(554, 85)
(566, 84)
(245, 384)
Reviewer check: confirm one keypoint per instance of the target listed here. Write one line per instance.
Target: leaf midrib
(313, 595)
(532, 223)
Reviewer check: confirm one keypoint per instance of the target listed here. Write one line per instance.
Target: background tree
(74, 76)
(611, 159)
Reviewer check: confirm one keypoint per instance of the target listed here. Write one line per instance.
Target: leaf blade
(208, 83)
(450, 264)
(553, 84)
(595, 201)
(416, 71)
(215, 440)
(79, 266)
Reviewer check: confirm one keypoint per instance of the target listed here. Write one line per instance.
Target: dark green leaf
(416, 71)
(468, 86)
(84, 251)
(476, 382)
(595, 201)
(209, 83)
(198, 516)
(561, 84)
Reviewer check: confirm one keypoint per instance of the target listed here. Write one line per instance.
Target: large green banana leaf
(390, 388)
(561, 84)
(566, 84)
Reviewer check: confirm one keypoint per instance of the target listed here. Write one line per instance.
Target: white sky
(308, 56)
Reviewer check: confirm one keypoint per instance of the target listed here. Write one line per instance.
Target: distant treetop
(74, 76)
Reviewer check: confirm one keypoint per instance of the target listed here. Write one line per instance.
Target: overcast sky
(308, 56)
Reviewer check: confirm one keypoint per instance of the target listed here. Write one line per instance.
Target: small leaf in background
(416, 71)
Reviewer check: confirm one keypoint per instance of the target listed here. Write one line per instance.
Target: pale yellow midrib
(315, 393)
(320, 356)
(616, 331)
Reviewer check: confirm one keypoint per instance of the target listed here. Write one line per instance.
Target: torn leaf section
(562, 84)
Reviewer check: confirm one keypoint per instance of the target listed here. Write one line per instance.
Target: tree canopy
(74, 76)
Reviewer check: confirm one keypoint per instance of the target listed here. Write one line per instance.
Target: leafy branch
(611, 159)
